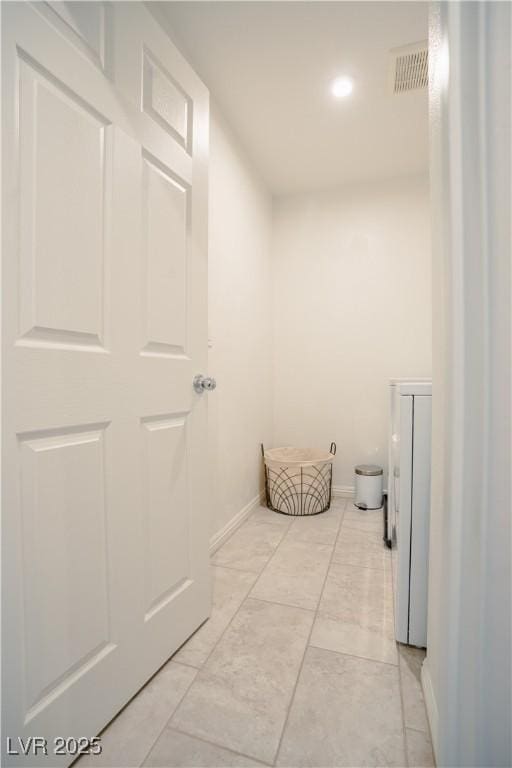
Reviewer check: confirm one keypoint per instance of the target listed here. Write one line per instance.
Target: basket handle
(332, 449)
(262, 450)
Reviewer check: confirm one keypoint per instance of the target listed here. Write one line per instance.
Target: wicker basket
(298, 481)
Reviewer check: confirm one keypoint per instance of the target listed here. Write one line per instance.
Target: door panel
(166, 489)
(105, 541)
(65, 157)
(166, 221)
(165, 101)
(83, 23)
(63, 499)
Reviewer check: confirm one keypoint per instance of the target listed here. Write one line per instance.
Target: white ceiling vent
(409, 67)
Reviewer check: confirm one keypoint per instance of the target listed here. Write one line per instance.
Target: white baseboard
(218, 539)
(430, 705)
(345, 491)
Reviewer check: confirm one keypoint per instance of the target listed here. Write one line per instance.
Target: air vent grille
(410, 70)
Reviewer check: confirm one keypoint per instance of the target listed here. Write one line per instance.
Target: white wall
(467, 674)
(352, 308)
(240, 358)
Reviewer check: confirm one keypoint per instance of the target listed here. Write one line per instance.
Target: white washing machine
(409, 504)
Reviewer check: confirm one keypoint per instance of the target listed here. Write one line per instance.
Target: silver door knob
(202, 383)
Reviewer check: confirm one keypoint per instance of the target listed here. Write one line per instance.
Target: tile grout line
(183, 663)
(399, 671)
(203, 665)
(247, 596)
(307, 645)
(198, 669)
(218, 746)
(233, 568)
(312, 645)
(258, 574)
(354, 656)
(168, 720)
(386, 572)
(288, 528)
(213, 743)
(276, 602)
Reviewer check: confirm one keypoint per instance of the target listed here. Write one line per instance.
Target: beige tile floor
(297, 665)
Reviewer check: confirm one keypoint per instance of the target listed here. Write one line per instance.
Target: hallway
(297, 665)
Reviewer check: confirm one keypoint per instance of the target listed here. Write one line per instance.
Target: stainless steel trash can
(368, 486)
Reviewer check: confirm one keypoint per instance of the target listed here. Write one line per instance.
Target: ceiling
(269, 65)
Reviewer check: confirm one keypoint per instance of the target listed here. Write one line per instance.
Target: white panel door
(105, 530)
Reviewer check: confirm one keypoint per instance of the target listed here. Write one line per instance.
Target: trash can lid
(368, 470)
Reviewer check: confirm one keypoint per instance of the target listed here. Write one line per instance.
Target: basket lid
(297, 456)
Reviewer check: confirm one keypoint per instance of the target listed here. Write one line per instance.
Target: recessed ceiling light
(342, 87)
